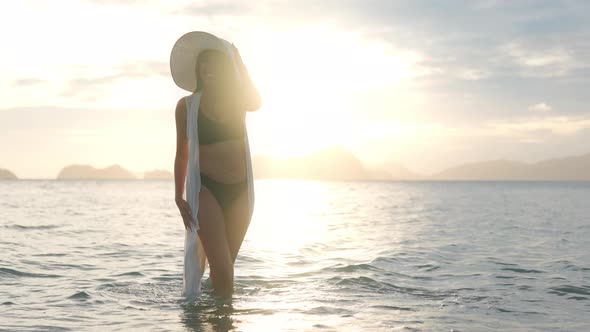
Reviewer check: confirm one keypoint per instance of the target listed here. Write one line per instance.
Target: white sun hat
(183, 58)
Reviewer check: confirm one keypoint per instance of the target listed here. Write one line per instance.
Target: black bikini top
(211, 131)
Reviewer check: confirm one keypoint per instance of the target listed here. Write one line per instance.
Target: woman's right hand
(186, 213)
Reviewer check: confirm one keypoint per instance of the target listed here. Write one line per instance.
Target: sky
(424, 84)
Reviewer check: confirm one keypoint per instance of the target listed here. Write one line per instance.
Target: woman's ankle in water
(223, 284)
(224, 292)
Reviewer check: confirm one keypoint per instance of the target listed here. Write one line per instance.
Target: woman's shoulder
(185, 101)
(183, 105)
(189, 98)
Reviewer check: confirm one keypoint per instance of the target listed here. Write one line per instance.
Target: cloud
(92, 87)
(220, 8)
(123, 2)
(500, 52)
(25, 82)
(540, 107)
(551, 125)
(525, 130)
(474, 74)
(471, 40)
(542, 62)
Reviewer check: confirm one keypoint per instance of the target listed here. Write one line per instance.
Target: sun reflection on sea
(290, 216)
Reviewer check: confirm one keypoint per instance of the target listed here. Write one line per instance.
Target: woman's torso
(221, 144)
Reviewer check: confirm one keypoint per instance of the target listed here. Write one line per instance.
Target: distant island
(338, 164)
(113, 172)
(7, 175)
(87, 172)
(576, 168)
(328, 164)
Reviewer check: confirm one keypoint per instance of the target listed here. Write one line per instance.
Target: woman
(212, 142)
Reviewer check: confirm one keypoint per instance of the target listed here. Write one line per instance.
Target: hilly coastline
(327, 164)
(575, 168)
(87, 172)
(7, 175)
(339, 164)
(113, 172)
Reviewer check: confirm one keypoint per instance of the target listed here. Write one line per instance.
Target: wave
(323, 310)
(352, 268)
(392, 307)
(33, 227)
(570, 289)
(133, 273)
(519, 270)
(79, 296)
(574, 267)
(49, 255)
(374, 286)
(11, 273)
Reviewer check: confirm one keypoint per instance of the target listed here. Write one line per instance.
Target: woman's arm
(181, 159)
(180, 165)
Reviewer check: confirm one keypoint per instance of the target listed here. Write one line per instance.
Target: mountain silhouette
(7, 175)
(575, 168)
(87, 172)
(336, 163)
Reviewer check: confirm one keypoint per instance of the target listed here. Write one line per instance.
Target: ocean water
(319, 256)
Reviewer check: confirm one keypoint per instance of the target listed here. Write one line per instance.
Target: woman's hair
(229, 73)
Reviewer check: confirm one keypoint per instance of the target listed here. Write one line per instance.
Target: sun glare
(276, 231)
(309, 79)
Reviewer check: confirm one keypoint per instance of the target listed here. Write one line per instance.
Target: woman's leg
(212, 233)
(237, 220)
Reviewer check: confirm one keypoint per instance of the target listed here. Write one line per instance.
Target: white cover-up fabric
(195, 260)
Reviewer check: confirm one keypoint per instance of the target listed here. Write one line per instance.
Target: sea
(318, 256)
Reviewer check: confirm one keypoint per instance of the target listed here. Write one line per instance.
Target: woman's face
(213, 69)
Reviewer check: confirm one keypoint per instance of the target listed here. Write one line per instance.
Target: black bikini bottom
(225, 193)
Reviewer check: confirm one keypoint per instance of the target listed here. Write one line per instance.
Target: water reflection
(208, 313)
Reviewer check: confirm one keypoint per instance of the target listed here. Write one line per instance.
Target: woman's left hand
(236, 50)
(250, 91)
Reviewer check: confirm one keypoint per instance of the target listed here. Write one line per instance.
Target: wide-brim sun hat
(183, 58)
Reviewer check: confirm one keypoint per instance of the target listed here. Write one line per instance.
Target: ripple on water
(351, 268)
(324, 310)
(428, 267)
(574, 267)
(366, 284)
(390, 256)
(520, 270)
(579, 293)
(392, 307)
(131, 274)
(79, 296)
(49, 255)
(10, 273)
(32, 227)
(140, 293)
